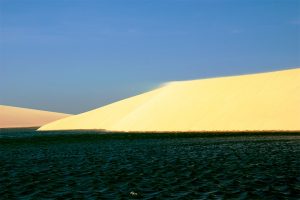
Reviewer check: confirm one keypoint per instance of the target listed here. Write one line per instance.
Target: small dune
(15, 117)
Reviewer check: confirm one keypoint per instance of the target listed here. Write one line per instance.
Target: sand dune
(15, 117)
(255, 102)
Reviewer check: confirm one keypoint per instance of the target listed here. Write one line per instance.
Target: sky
(76, 55)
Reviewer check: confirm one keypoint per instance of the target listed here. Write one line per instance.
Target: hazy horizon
(73, 56)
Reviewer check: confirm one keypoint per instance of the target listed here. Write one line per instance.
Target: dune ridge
(16, 117)
(255, 102)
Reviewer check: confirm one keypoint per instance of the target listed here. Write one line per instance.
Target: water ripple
(187, 168)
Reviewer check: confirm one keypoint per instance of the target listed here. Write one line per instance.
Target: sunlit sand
(255, 102)
(15, 117)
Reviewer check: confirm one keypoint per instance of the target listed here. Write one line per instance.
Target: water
(89, 165)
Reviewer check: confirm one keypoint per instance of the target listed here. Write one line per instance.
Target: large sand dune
(15, 117)
(255, 102)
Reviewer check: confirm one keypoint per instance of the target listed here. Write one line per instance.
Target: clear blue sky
(76, 55)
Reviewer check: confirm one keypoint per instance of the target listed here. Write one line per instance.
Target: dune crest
(15, 117)
(256, 102)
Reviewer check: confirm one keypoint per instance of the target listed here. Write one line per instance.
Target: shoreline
(33, 137)
(103, 131)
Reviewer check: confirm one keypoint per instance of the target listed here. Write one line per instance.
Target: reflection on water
(109, 167)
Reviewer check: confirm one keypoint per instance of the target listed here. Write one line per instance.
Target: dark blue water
(89, 165)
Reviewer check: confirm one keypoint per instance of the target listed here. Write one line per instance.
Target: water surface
(95, 165)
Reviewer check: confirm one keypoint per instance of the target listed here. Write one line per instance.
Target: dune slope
(15, 117)
(255, 102)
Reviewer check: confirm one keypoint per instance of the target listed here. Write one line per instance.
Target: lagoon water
(90, 165)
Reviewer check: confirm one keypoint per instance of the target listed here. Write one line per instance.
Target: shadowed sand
(256, 102)
(14, 117)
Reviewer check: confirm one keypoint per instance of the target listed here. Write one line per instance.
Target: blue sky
(76, 55)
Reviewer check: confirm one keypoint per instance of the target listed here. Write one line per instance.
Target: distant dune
(256, 102)
(15, 117)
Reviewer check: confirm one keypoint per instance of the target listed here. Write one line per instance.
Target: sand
(15, 117)
(256, 102)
